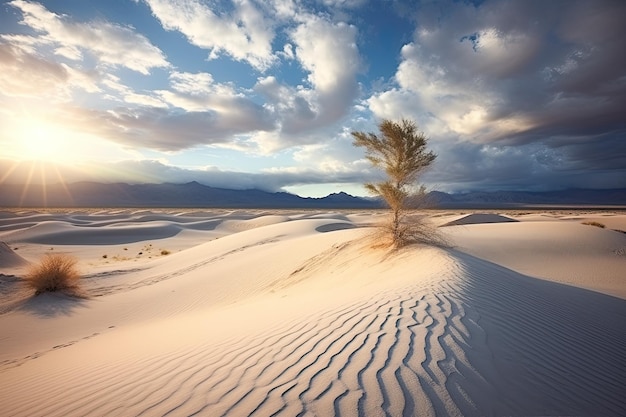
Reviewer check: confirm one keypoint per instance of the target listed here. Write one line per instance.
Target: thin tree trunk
(396, 226)
(396, 217)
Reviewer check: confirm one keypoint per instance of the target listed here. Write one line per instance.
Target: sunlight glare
(43, 142)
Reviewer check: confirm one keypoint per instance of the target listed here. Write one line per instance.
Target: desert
(312, 208)
(284, 312)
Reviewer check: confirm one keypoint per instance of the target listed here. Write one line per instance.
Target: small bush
(54, 273)
(596, 224)
(410, 230)
(165, 252)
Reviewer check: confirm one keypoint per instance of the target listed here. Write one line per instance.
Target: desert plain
(298, 313)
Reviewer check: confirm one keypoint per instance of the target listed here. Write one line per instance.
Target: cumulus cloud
(28, 74)
(25, 74)
(157, 128)
(245, 34)
(126, 94)
(195, 109)
(328, 52)
(502, 86)
(463, 166)
(110, 43)
(495, 67)
(197, 92)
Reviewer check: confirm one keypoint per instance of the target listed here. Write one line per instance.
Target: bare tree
(400, 150)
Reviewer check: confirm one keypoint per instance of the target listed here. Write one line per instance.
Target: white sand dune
(478, 218)
(561, 251)
(11, 287)
(295, 314)
(8, 257)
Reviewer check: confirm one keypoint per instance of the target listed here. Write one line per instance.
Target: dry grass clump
(410, 230)
(165, 252)
(55, 272)
(596, 224)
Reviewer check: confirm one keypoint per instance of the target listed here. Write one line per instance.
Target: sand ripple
(293, 316)
(473, 339)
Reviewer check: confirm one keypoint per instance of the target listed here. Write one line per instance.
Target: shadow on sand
(51, 305)
(545, 348)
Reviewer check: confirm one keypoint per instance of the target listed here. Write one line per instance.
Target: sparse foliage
(400, 150)
(55, 272)
(596, 224)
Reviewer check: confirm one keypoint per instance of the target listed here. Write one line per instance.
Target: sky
(513, 95)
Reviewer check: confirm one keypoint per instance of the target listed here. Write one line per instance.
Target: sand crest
(479, 218)
(8, 257)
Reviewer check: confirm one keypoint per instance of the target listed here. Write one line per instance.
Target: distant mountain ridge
(503, 199)
(188, 195)
(196, 195)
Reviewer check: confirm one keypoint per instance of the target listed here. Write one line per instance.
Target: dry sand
(293, 313)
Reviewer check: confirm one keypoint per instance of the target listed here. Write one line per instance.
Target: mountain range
(194, 194)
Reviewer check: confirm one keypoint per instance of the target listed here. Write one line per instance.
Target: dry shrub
(596, 224)
(55, 272)
(411, 229)
(165, 252)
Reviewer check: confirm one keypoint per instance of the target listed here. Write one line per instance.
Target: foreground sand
(262, 313)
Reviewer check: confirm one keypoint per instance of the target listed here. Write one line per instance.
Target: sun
(40, 141)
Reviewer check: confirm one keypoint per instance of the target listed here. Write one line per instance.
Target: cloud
(109, 43)
(348, 4)
(25, 74)
(128, 95)
(197, 92)
(328, 52)
(160, 129)
(195, 109)
(245, 33)
(154, 171)
(513, 94)
(489, 76)
(463, 166)
(516, 94)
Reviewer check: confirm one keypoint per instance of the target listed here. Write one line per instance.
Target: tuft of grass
(55, 272)
(105, 256)
(165, 252)
(411, 230)
(596, 224)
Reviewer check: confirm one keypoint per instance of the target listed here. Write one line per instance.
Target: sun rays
(36, 177)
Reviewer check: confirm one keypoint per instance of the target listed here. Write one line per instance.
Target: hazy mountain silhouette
(193, 194)
(504, 199)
